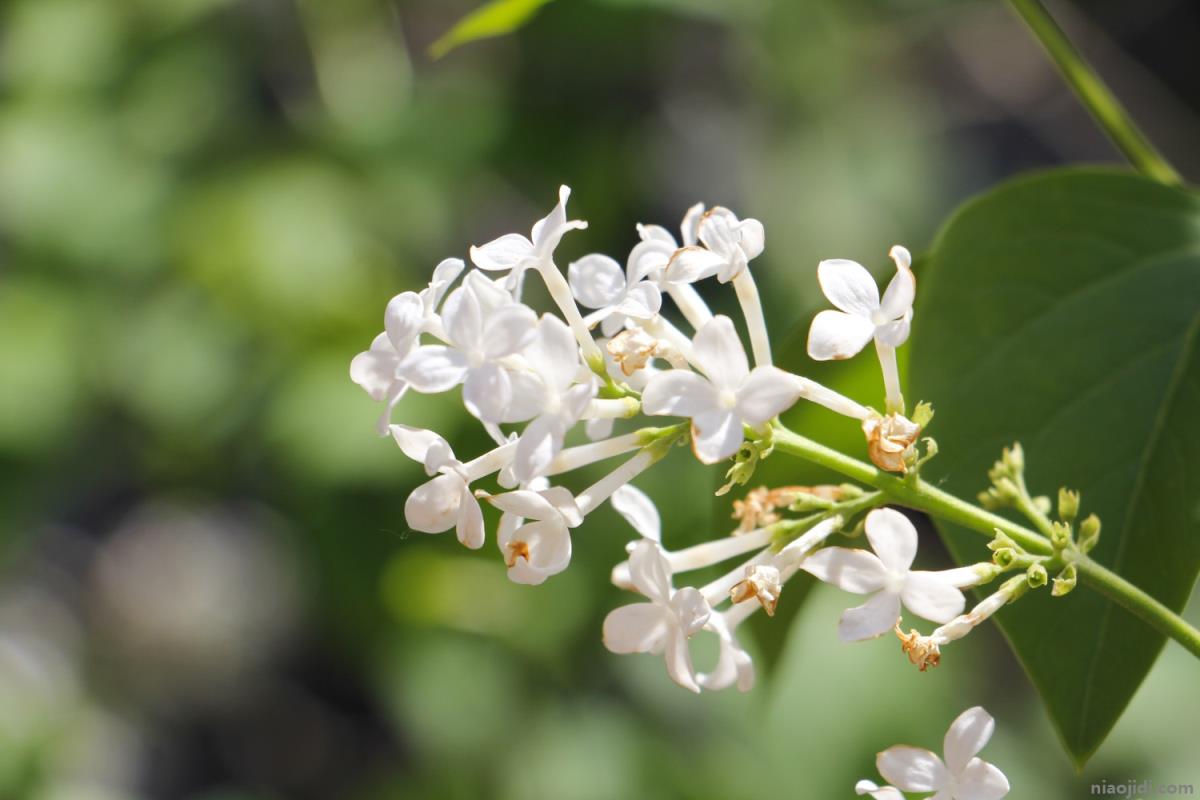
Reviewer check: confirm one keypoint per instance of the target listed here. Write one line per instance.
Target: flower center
(878, 317)
(894, 582)
(727, 399)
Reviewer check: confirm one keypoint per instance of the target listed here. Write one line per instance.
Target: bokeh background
(207, 589)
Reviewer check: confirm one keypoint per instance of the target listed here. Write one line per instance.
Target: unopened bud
(1042, 504)
(1065, 581)
(1014, 458)
(1007, 489)
(990, 500)
(1089, 532)
(1036, 576)
(1068, 504)
(1060, 535)
(1001, 539)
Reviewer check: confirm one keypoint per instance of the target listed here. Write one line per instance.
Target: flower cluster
(531, 380)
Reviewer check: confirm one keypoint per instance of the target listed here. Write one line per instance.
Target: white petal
(893, 538)
(850, 570)
(433, 368)
(967, 735)
(540, 442)
(649, 259)
(548, 231)
(719, 352)
(691, 224)
(716, 435)
(528, 397)
(417, 442)
(752, 238)
(678, 392)
(487, 392)
(635, 628)
(899, 253)
(911, 769)
(563, 502)
(638, 510)
(403, 318)
(375, 369)
(679, 660)
(506, 252)
(649, 233)
(525, 503)
(553, 353)
(462, 317)
(898, 297)
(894, 334)
(611, 323)
(508, 330)
(691, 264)
(766, 393)
(837, 335)
(444, 274)
(596, 281)
(469, 526)
(848, 286)
(874, 617)
(433, 506)
(932, 597)
(691, 610)
(491, 294)
(981, 781)
(642, 301)
(650, 572)
(878, 792)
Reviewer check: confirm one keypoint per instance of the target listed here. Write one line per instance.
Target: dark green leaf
(491, 19)
(1062, 310)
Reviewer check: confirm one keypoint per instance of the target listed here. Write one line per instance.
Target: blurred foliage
(205, 206)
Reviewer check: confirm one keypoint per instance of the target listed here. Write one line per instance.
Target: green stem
(915, 493)
(1095, 96)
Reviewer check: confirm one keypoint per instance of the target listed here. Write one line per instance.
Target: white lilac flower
(962, 776)
(864, 316)
(728, 395)
(514, 253)
(549, 395)
(599, 283)
(734, 666)
(663, 625)
(886, 575)
(651, 257)
(446, 501)
(729, 245)
(533, 551)
(482, 328)
(408, 315)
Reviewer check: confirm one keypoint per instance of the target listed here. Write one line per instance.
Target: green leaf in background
(1062, 310)
(491, 19)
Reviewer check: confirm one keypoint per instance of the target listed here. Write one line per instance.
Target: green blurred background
(208, 590)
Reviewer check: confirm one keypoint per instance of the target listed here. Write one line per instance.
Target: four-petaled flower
(962, 776)
(536, 550)
(863, 315)
(515, 253)
(665, 623)
(729, 245)
(483, 327)
(726, 397)
(886, 573)
(408, 315)
(446, 501)
(599, 282)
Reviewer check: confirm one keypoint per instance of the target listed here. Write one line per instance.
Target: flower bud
(1036, 576)
(1004, 556)
(1060, 535)
(1068, 504)
(1089, 533)
(1042, 504)
(1014, 458)
(1065, 581)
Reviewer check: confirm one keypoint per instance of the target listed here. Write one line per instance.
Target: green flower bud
(1089, 533)
(1004, 556)
(1060, 535)
(1042, 504)
(922, 414)
(1036, 576)
(1068, 504)
(1065, 581)
(1001, 539)
(1014, 458)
